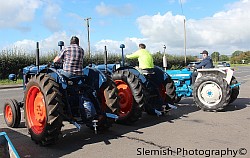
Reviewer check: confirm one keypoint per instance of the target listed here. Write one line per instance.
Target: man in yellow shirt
(144, 57)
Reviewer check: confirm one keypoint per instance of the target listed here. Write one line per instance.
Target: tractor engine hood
(32, 69)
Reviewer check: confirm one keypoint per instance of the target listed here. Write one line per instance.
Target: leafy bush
(13, 60)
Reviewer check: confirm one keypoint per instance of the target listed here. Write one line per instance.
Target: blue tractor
(213, 88)
(150, 91)
(51, 98)
(183, 83)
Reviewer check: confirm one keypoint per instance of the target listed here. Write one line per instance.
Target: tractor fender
(160, 71)
(225, 72)
(30, 71)
(109, 68)
(56, 75)
(95, 77)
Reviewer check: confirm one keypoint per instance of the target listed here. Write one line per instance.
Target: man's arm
(59, 57)
(134, 55)
(203, 63)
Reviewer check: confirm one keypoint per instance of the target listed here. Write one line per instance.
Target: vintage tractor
(213, 89)
(51, 98)
(151, 91)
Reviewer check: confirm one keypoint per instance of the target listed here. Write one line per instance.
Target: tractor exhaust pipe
(122, 46)
(106, 59)
(37, 57)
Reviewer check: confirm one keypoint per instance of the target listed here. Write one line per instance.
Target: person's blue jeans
(66, 74)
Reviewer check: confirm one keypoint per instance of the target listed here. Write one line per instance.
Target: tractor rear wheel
(131, 96)
(12, 114)
(110, 94)
(211, 92)
(234, 91)
(42, 105)
(109, 103)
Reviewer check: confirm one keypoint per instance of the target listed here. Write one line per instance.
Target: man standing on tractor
(205, 63)
(72, 58)
(144, 57)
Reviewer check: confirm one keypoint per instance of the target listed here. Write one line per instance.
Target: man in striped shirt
(72, 58)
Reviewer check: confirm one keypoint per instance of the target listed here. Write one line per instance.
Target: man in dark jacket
(205, 63)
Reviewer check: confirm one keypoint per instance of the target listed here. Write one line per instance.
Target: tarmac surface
(185, 132)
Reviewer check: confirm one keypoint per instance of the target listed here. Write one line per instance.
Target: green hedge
(12, 61)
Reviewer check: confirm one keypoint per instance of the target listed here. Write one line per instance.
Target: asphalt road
(185, 132)
(13, 93)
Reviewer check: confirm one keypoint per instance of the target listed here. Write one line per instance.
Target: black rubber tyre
(42, 105)
(170, 90)
(12, 114)
(211, 92)
(110, 103)
(110, 93)
(166, 91)
(131, 98)
(234, 91)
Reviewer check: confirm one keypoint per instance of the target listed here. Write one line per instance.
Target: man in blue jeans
(72, 58)
(205, 63)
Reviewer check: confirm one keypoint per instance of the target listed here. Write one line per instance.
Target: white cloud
(50, 18)
(225, 31)
(15, 12)
(46, 45)
(131, 45)
(122, 10)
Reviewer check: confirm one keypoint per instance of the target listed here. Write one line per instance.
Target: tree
(224, 58)
(237, 59)
(237, 53)
(215, 56)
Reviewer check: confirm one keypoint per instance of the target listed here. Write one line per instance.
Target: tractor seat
(74, 80)
(148, 72)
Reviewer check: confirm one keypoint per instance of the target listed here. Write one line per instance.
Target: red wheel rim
(8, 113)
(126, 97)
(163, 92)
(36, 110)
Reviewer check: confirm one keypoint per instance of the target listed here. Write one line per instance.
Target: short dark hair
(74, 40)
(141, 45)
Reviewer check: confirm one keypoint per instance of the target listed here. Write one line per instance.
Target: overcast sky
(214, 25)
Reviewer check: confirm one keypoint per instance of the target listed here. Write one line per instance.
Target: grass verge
(8, 82)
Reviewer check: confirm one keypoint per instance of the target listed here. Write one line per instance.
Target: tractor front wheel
(211, 92)
(12, 114)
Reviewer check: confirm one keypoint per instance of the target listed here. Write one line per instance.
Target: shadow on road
(15, 138)
(72, 140)
(238, 104)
